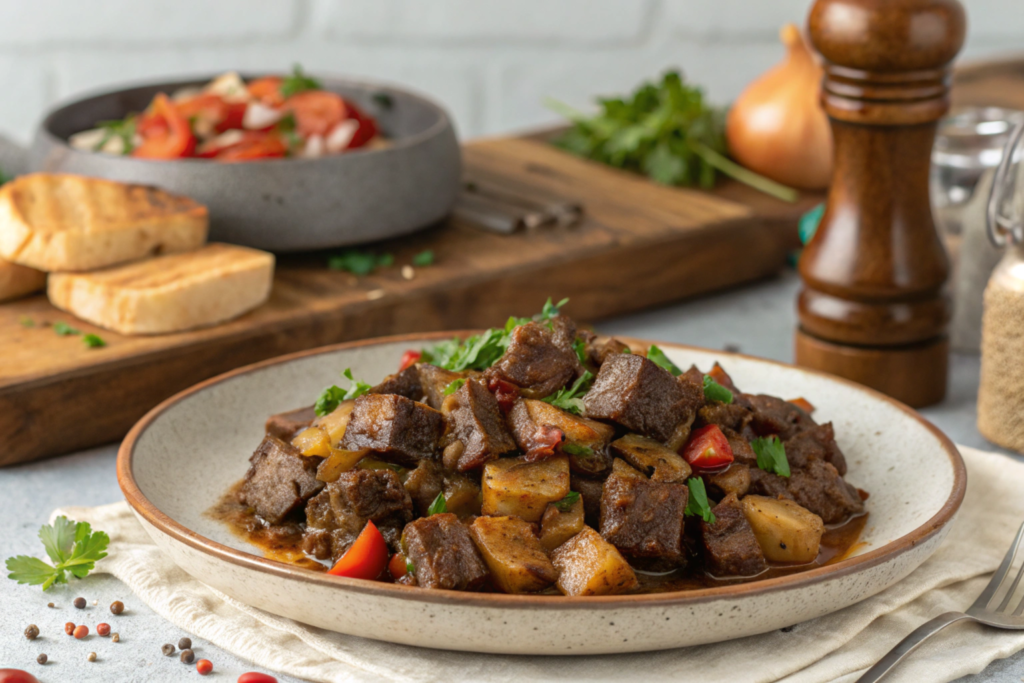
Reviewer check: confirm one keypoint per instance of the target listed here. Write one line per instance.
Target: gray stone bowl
(286, 204)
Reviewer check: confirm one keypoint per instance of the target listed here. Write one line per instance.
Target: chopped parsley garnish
(423, 259)
(298, 82)
(570, 448)
(120, 128)
(93, 341)
(72, 547)
(410, 568)
(565, 505)
(359, 262)
(658, 357)
(580, 347)
(571, 399)
(697, 505)
(713, 391)
(551, 310)
(771, 455)
(332, 396)
(26, 321)
(439, 506)
(454, 386)
(65, 330)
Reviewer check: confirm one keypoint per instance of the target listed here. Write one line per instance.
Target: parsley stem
(743, 175)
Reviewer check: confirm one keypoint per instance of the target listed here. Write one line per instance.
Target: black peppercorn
(187, 656)
(167, 649)
(80, 603)
(116, 607)
(185, 644)
(32, 632)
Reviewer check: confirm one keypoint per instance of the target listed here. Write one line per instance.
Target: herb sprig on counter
(666, 131)
(72, 547)
(332, 396)
(359, 262)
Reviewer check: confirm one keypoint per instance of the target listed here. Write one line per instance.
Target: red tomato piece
(367, 126)
(254, 677)
(316, 111)
(209, 107)
(256, 145)
(149, 125)
(397, 566)
(16, 676)
(366, 558)
(409, 358)
(803, 404)
(267, 90)
(506, 393)
(708, 449)
(178, 141)
(232, 117)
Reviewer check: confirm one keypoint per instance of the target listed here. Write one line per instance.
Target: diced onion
(230, 87)
(259, 116)
(314, 147)
(340, 137)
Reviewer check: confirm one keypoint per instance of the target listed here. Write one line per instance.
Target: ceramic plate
(210, 430)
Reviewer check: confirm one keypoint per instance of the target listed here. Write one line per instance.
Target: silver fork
(998, 616)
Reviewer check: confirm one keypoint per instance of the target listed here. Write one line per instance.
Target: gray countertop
(757, 319)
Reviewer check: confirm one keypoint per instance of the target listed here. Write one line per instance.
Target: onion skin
(777, 127)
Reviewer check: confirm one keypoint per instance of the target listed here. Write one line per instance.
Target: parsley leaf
(658, 357)
(71, 547)
(439, 506)
(771, 455)
(410, 568)
(550, 310)
(571, 399)
(328, 401)
(713, 391)
(119, 128)
(697, 505)
(580, 347)
(93, 341)
(570, 448)
(454, 386)
(298, 82)
(359, 262)
(565, 505)
(423, 259)
(65, 330)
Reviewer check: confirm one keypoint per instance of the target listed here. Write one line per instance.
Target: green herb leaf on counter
(423, 259)
(332, 396)
(697, 505)
(94, 341)
(713, 391)
(658, 357)
(771, 455)
(359, 262)
(666, 131)
(298, 82)
(65, 330)
(72, 547)
(26, 321)
(566, 503)
(454, 386)
(571, 399)
(439, 506)
(577, 449)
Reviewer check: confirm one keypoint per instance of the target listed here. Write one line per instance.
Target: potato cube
(586, 441)
(652, 458)
(512, 552)
(590, 565)
(461, 495)
(785, 531)
(557, 527)
(515, 487)
(335, 422)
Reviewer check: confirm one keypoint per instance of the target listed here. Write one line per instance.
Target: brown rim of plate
(142, 506)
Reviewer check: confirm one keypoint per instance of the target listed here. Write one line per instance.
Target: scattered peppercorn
(32, 632)
(103, 630)
(95, 602)
(117, 607)
(80, 603)
(204, 666)
(42, 659)
(187, 656)
(91, 657)
(49, 604)
(185, 644)
(167, 649)
(69, 628)
(81, 631)
(116, 637)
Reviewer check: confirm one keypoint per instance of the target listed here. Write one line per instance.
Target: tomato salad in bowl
(230, 120)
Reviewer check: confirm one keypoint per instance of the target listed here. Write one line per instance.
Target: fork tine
(1009, 593)
(1020, 606)
(1001, 572)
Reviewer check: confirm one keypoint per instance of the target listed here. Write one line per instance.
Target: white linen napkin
(836, 647)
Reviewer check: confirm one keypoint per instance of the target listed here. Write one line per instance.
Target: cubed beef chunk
(476, 420)
(590, 491)
(535, 363)
(433, 382)
(443, 554)
(541, 430)
(820, 489)
(816, 443)
(404, 383)
(644, 518)
(733, 416)
(772, 415)
(742, 451)
(279, 480)
(399, 429)
(424, 483)
(768, 484)
(286, 425)
(730, 547)
(734, 480)
(637, 394)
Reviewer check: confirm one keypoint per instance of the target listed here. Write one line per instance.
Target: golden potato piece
(590, 565)
(785, 531)
(312, 441)
(557, 527)
(461, 495)
(515, 487)
(335, 422)
(652, 458)
(512, 552)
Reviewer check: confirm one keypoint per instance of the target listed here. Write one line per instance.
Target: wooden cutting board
(639, 245)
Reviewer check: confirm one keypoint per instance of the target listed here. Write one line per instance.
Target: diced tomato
(719, 374)
(208, 107)
(708, 449)
(543, 442)
(177, 142)
(316, 111)
(232, 117)
(366, 558)
(409, 358)
(149, 125)
(505, 392)
(267, 90)
(803, 404)
(16, 676)
(256, 145)
(398, 567)
(254, 677)
(367, 126)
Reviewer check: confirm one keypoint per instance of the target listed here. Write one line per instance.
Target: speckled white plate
(180, 458)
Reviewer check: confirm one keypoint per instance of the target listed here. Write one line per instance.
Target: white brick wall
(489, 61)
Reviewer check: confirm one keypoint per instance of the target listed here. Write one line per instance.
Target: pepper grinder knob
(873, 307)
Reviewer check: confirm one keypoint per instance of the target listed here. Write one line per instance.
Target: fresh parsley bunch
(333, 395)
(72, 547)
(571, 399)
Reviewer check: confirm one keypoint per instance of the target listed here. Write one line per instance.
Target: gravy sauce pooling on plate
(539, 458)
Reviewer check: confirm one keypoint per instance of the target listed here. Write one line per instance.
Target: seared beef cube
(734, 480)
(603, 347)
(286, 425)
(433, 382)
(280, 479)
(733, 416)
(820, 489)
(424, 484)
(399, 429)
(590, 491)
(772, 415)
(653, 458)
(816, 443)
(584, 441)
(644, 518)
(476, 420)
(637, 394)
(535, 363)
(742, 451)
(404, 383)
(730, 547)
(768, 484)
(443, 554)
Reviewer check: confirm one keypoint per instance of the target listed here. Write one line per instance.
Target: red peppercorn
(81, 631)
(103, 630)
(69, 628)
(204, 666)
(253, 677)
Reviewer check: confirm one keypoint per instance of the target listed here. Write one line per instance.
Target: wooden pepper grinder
(873, 307)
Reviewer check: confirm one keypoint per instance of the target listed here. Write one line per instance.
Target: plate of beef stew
(629, 495)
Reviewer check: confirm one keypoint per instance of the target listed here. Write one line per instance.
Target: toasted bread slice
(62, 223)
(18, 280)
(169, 293)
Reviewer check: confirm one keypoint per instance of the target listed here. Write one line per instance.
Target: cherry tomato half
(316, 111)
(409, 358)
(708, 449)
(366, 558)
(176, 143)
(367, 127)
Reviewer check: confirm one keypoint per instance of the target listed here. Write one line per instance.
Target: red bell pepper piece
(177, 142)
(255, 145)
(409, 358)
(708, 449)
(366, 558)
(719, 374)
(803, 404)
